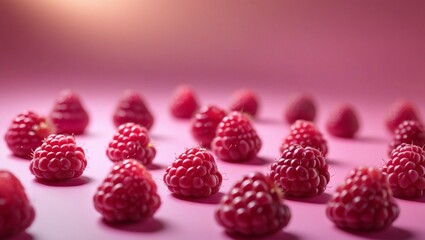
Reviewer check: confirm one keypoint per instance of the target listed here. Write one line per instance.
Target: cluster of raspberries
(254, 205)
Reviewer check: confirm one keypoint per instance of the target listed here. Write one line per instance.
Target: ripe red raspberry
(363, 202)
(128, 194)
(131, 141)
(16, 211)
(193, 174)
(343, 121)
(406, 171)
(58, 158)
(301, 171)
(305, 134)
(254, 206)
(132, 108)
(300, 107)
(183, 102)
(245, 101)
(68, 114)
(410, 132)
(399, 112)
(26, 133)
(205, 123)
(236, 140)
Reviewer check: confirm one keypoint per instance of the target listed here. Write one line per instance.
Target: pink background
(368, 53)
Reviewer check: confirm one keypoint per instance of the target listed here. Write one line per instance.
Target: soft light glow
(94, 27)
(66, 8)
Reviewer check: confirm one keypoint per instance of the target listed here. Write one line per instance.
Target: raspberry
(131, 141)
(399, 112)
(363, 202)
(132, 108)
(300, 107)
(26, 133)
(193, 174)
(343, 122)
(68, 114)
(128, 194)
(58, 158)
(183, 102)
(16, 211)
(244, 101)
(410, 132)
(305, 134)
(236, 140)
(254, 206)
(301, 171)
(406, 171)
(205, 123)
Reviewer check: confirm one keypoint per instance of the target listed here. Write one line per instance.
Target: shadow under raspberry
(160, 138)
(370, 139)
(83, 180)
(336, 162)
(420, 200)
(213, 199)
(268, 121)
(87, 135)
(21, 236)
(155, 166)
(150, 225)
(391, 233)
(258, 161)
(320, 199)
(278, 235)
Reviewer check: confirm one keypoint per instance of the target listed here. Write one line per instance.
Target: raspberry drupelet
(27, 132)
(236, 139)
(128, 194)
(364, 202)
(204, 124)
(183, 102)
(16, 211)
(300, 107)
(301, 172)
(305, 133)
(410, 132)
(253, 207)
(343, 121)
(406, 171)
(69, 115)
(132, 108)
(245, 100)
(131, 141)
(193, 174)
(58, 158)
(399, 112)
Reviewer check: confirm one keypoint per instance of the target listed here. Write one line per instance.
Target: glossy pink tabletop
(65, 210)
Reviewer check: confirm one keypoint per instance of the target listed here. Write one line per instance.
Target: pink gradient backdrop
(365, 52)
(347, 47)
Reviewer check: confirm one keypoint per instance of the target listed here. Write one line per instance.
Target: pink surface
(66, 212)
(368, 53)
